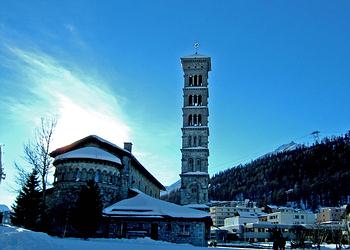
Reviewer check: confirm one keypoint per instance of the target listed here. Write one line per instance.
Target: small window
(190, 80)
(199, 100)
(199, 120)
(189, 141)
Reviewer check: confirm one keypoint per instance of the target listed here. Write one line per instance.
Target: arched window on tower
(190, 100)
(195, 120)
(195, 100)
(194, 141)
(195, 80)
(198, 165)
(190, 81)
(199, 100)
(190, 121)
(190, 164)
(199, 120)
(190, 141)
(200, 81)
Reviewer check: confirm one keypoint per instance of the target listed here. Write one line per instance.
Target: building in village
(195, 131)
(330, 215)
(292, 217)
(114, 169)
(220, 213)
(143, 215)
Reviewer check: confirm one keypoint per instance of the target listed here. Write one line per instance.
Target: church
(129, 192)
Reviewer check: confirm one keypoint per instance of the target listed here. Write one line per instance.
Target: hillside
(310, 176)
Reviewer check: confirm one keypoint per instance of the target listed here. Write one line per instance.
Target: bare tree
(37, 151)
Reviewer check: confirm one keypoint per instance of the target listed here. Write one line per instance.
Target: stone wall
(175, 231)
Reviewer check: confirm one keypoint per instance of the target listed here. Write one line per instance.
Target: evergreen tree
(27, 204)
(88, 211)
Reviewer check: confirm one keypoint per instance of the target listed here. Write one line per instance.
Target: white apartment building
(219, 214)
(242, 218)
(291, 217)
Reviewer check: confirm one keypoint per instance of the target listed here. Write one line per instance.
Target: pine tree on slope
(26, 207)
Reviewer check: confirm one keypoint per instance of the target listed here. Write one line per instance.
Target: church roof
(90, 153)
(144, 206)
(108, 147)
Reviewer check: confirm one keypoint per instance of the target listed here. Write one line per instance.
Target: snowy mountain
(286, 147)
(283, 148)
(173, 187)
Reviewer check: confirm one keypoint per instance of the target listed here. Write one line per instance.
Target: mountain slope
(316, 175)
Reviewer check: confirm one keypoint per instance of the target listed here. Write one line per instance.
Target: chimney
(128, 146)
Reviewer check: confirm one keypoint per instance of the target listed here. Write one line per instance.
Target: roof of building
(109, 148)
(144, 206)
(90, 153)
(193, 56)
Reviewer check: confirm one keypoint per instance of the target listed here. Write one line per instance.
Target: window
(199, 100)
(195, 80)
(190, 100)
(190, 164)
(194, 141)
(97, 176)
(184, 229)
(77, 175)
(198, 163)
(199, 140)
(200, 80)
(190, 120)
(190, 80)
(199, 120)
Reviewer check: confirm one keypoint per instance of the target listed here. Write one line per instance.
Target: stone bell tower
(195, 132)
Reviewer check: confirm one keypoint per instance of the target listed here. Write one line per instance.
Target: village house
(146, 216)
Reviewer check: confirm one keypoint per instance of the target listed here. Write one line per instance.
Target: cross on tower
(196, 46)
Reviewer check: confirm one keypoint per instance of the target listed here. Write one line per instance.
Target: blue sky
(280, 70)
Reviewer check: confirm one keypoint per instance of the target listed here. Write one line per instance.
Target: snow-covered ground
(13, 238)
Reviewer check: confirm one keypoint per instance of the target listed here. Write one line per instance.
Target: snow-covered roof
(89, 153)
(144, 206)
(4, 208)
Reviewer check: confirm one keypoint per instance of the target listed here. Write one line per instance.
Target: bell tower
(195, 131)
